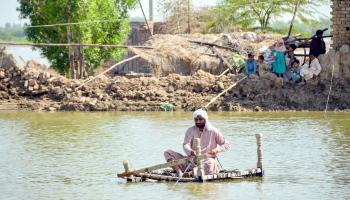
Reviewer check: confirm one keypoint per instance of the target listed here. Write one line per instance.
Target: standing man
(317, 45)
(211, 140)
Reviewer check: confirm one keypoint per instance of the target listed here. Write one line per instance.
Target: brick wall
(341, 23)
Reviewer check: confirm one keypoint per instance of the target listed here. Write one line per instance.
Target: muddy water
(76, 155)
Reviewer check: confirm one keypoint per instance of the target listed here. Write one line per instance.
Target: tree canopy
(262, 12)
(101, 22)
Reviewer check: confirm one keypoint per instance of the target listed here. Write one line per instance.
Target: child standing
(295, 71)
(262, 67)
(279, 64)
(250, 65)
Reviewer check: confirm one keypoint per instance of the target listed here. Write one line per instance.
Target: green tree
(220, 18)
(264, 11)
(112, 28)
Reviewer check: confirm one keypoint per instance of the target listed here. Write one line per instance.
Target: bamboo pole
(72, 44)
(211, 44)
(160, 177)
(223, 60)
(158, 166)
(222, 57)
(107, 70)
(223, 73)
(223, 92)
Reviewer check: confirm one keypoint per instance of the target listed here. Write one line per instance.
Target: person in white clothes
(310, 70)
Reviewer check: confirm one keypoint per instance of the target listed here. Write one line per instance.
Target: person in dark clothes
(317, 45)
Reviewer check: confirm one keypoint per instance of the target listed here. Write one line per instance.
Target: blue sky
(9, 14)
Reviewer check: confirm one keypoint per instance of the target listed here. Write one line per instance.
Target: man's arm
(223, 144)
(187, 143)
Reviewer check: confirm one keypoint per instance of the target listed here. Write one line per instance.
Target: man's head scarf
(203, 114)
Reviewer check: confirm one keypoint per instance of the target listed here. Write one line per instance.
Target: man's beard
(200, 126)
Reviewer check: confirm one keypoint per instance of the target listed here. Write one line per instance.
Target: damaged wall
(339, 59)
(340, 23)
(339, 55)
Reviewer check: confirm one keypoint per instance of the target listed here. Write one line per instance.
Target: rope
(217, 158)
(330, 89)
(188, 166)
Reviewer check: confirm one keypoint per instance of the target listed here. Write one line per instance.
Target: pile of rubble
(36, 88)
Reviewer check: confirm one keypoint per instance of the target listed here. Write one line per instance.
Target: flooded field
(76, 155)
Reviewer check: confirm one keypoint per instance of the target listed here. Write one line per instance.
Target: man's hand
(193, 153)
(214, 152)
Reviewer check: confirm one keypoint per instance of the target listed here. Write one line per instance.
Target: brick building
(341, 23)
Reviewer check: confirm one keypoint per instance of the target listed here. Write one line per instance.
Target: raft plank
(236, 174)
(159, 166)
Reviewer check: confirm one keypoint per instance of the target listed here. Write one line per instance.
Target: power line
(68, 45)
(73, 23)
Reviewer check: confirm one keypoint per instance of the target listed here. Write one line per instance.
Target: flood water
(23, 54)
(77, 155)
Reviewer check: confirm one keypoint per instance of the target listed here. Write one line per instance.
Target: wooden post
(126, 166)
(259, 150)
(200, 171)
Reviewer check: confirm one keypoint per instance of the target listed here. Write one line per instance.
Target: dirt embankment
(35, 88)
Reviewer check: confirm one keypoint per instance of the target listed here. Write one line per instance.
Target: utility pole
(151, 10)
(188, 17)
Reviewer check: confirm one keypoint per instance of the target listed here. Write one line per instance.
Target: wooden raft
(163, 172)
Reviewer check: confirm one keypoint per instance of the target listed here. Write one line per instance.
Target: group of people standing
(284, 63)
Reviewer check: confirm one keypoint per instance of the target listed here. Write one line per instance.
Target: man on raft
(211, 140)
